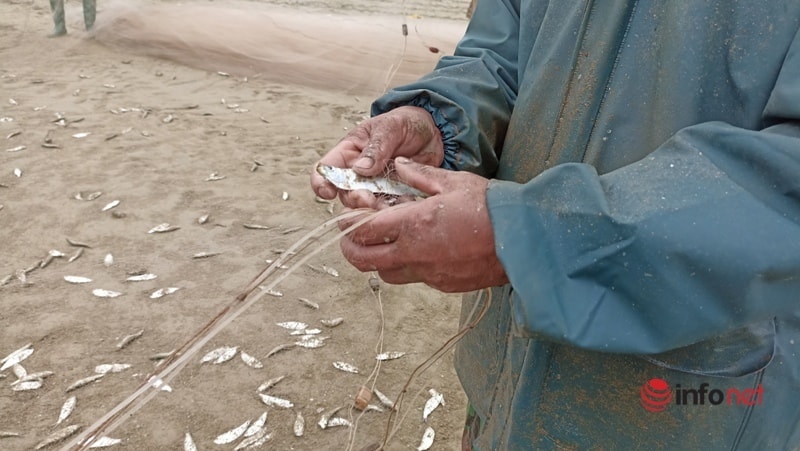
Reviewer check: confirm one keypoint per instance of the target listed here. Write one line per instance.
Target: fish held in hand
(348, 180)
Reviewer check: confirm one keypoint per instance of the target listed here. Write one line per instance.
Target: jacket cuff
(446, 128)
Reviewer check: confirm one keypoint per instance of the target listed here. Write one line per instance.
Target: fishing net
(356, 48)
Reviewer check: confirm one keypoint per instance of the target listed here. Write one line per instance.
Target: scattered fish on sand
(164, 227)
(427, 439)
(346, 367)
(270, 383)
(16, 357)
(102, 293)
(220, 355)
(58, 436)
(232, 435)
(432, 403)
(274, 401)
(66, 409)
(128, 339)
(83, 382)
(389, 355)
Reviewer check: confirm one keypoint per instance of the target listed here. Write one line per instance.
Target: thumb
(428, 179)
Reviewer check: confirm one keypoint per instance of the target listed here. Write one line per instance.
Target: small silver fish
(338, 421)
(232, 435)
(77, 279)
(279, 348)
(188, 443)
(220, 355)
(275, 293)
(256, 226)
(293, 325)
(110, 205)
(16, 357)
(347, 179)
(346, 367)
(161, 292)
(37, 376)
(111, 368)
(141, 278)
(101, 293)
(203, 219)
(83, 382)
(290, 230)
(105, 442)
(256, 426)
(250, 361)
(66, 409)
(214, 176)
(308, 303)
(128, 339)
(306, 332)
(427, 439)
(431, 404)
(330, 271)
(58, 436)
(19, 371)
(274, 401)
(108, 260)
(157, 383)
(16, 149)
(332, 322)
(284, 196)
(255, 441)
(389, 355)
(311, 342)
(74, 243)
(299, 425)
(270, 383)
(76, 255)
(201, 255)
(323, 420)
(163, 228)
(81, 135)
(28, 385)
(383, 398)
(161, 355)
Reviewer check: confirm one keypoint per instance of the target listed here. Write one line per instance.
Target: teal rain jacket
(645, 200)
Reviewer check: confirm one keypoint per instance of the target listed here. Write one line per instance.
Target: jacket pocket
(737, 353)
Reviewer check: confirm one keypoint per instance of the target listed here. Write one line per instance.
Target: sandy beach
(169, 113)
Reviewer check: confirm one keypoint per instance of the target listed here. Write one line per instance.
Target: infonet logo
(656, 395)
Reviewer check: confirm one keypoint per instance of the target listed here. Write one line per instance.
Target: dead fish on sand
(220, 355)
(58, 436)
(163, 228)
(83, 382)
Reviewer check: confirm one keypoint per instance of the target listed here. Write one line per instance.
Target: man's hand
(406, 131)
(445, 241)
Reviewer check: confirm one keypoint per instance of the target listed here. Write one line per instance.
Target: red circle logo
(656, 394)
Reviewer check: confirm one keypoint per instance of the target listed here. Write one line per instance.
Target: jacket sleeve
(470, 94)
(699, 238)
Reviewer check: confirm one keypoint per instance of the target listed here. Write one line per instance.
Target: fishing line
(116, 416)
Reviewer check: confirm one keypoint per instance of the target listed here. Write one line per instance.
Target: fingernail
(365, 163)
(402, 160)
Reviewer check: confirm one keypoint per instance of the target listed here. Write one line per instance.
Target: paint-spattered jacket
(645, 158)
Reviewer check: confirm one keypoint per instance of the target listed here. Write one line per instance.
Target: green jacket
(646, 208)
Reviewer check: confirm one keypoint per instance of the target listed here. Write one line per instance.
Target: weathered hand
(445, 241)
(405, 131)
